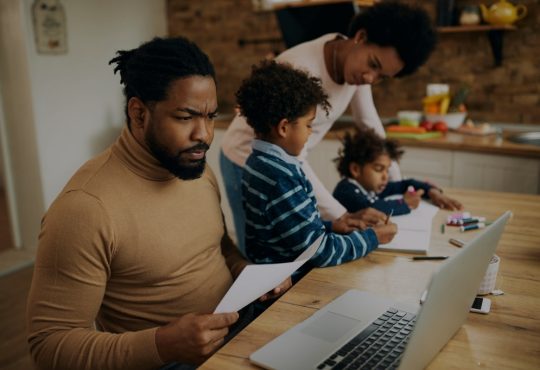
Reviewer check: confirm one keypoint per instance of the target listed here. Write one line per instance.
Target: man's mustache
(195, 148)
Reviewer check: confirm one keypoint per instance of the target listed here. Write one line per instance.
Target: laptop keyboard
(379, 346)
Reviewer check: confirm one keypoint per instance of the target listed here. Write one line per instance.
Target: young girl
(363, 163)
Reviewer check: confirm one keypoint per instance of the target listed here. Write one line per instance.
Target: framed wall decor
(50, 31)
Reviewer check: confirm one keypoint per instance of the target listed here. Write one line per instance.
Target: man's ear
(360, 37)
(282, 128)
(355, 169)
(137, 113)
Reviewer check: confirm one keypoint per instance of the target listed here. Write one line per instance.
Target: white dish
(453, 120)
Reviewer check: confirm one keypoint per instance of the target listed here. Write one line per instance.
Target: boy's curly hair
(364, 147)
(275, 91)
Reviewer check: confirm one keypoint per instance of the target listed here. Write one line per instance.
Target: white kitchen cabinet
(430, 165)
(446, 168)
(496, 172)
(472, 170)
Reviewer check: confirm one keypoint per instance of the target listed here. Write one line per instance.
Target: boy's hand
(369, 216)
(347, 224)
(277, 291)
(192, 338)
(442, 201)
(385, 232)
(413, 198)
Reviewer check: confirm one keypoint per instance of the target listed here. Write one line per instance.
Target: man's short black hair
(275, 91)
(364, 147)
(405, 27)
(148, 71)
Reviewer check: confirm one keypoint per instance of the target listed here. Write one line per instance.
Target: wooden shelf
(477, 28)
(495, 34)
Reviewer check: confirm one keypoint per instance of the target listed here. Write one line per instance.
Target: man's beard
(173, 162)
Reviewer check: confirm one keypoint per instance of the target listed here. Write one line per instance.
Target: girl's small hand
(444, 202)
(413, 198)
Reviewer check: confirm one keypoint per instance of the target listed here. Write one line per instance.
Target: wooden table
(507, 338)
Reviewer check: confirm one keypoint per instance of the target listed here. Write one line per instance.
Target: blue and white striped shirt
(282, 218)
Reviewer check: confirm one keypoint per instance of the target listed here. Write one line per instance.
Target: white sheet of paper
(256, 280)
(414, 230)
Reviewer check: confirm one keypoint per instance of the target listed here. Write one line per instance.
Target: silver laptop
(361, 330)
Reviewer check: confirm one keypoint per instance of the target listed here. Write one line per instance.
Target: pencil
(388, 216)
(427, 258)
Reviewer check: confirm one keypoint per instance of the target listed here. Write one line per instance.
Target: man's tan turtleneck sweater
(129, 247)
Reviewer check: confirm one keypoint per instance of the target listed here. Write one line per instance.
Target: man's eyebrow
(194, 112)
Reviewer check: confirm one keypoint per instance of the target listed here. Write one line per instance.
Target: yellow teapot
(503, 13)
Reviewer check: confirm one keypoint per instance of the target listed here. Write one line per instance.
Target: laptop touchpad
(329, 327)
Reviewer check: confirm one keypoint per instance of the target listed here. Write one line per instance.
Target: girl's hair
(365, 146)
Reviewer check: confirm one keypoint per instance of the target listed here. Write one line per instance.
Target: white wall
(77, 101)
(74, 106)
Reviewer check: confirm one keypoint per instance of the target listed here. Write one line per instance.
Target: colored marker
(428, 258)
(471, 220)
(466, 221)
(458, 216)
(476, 226)
(456, 242)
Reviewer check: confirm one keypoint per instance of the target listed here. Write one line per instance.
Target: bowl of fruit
(442, 107)
(452, 120)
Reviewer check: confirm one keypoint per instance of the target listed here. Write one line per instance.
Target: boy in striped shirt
(282, 218)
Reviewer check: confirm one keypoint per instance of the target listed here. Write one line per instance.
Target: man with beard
(135, 244)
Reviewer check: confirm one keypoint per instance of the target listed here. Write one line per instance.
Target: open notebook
(414, 230)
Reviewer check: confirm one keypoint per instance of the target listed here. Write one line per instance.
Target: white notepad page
(256, 280)
(414, 230)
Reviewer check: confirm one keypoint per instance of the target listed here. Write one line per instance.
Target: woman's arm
(365, 114)
(329, 207)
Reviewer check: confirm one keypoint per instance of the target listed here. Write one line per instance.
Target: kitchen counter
(490, 144)
(454, 160)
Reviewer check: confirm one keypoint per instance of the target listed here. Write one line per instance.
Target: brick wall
(509, 93)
